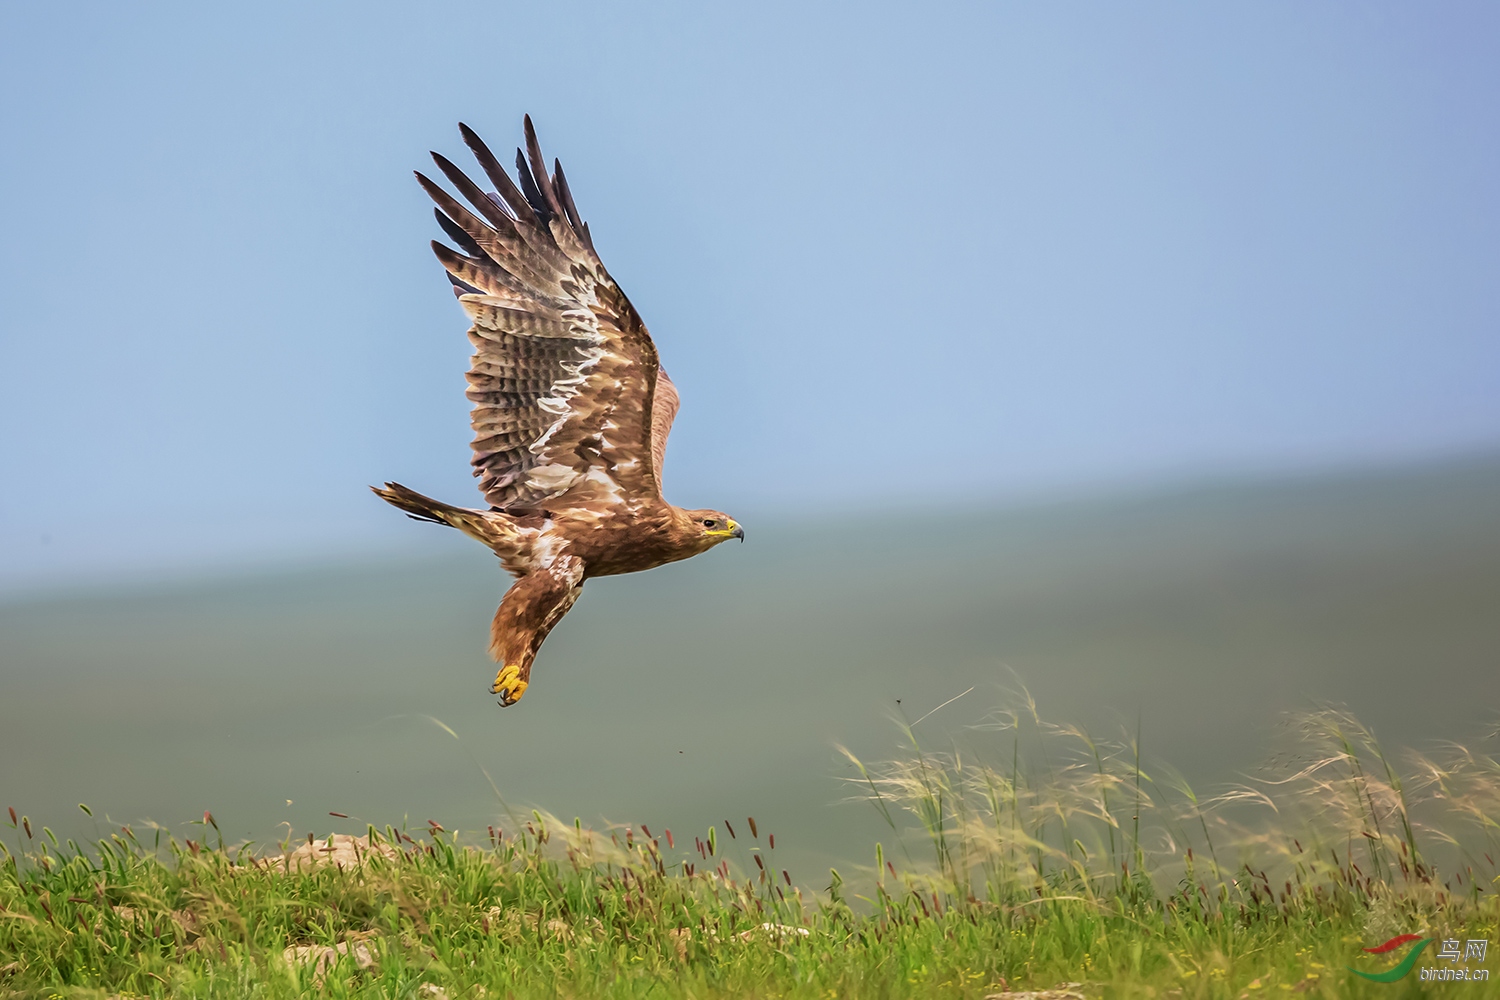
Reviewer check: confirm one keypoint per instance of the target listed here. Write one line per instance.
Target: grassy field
(1065, 869)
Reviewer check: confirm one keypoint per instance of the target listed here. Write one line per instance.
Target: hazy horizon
(420, 542)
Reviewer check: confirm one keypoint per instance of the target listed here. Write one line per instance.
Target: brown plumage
(571, 406)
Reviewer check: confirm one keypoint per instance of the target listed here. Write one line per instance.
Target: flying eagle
(571, 406)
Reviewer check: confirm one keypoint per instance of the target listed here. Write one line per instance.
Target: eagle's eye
(708, 522)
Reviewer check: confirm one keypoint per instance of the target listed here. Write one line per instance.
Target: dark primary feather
(504, 186)
(529, 188)
(462, 288)
(539, 169)
(567, 203)
(472, 194)
(457, 235)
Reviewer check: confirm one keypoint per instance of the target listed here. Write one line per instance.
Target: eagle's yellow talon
(508, 685)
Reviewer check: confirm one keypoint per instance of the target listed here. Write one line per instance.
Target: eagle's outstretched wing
(571, 407)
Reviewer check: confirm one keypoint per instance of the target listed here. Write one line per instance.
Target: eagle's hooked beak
(738, 532)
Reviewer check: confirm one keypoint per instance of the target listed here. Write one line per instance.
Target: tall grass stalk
(1333, 822)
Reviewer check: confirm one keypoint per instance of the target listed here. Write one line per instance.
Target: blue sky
(892, 255)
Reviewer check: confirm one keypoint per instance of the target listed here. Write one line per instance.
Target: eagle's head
(714, 526)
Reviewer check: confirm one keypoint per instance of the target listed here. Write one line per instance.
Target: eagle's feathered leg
(527, 613)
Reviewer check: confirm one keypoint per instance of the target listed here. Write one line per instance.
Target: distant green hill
(718, 688)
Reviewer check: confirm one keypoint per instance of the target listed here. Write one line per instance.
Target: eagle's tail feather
(417, 506)
(480, 525)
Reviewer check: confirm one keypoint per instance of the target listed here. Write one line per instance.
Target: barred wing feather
(570, 405)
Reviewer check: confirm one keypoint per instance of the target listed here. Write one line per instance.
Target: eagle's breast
(625, 538)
